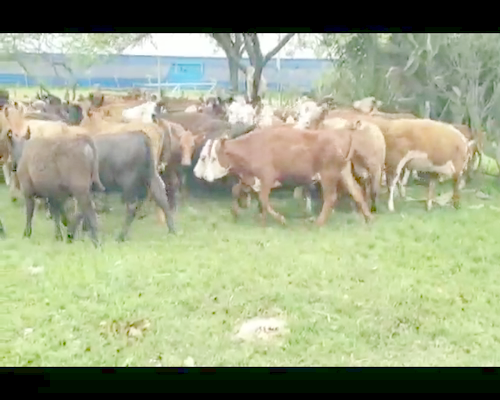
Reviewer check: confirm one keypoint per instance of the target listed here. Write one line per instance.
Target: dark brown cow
(267, 158)
(55, 169)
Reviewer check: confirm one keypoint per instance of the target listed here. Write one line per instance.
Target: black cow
(126, 165)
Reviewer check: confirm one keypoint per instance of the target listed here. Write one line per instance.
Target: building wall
(128, 71)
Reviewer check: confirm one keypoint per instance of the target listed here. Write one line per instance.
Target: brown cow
(428, 146)
(369, 153)
(178, 155)
(368, 156)
(266, 158)
(55, 169)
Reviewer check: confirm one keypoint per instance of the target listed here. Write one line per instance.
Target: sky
(200, 45)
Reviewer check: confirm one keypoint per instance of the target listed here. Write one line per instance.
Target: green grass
(413, 289)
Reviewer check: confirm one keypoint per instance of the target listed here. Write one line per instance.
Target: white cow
(143, 112)
(193, 108)
(236, 112)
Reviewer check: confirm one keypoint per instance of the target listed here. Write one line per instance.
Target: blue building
(125, 71)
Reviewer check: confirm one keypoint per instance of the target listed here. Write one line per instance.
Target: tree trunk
(256, 82)
(233, 75)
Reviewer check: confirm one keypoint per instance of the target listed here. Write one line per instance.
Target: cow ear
(28, 134)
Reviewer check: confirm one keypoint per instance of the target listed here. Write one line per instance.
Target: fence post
(158, 75)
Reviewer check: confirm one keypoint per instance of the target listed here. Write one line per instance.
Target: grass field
(412, 289)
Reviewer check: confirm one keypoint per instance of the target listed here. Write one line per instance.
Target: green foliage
(455, 73)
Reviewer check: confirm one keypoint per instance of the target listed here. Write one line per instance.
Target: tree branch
(250, 49)
(224, 41)
(238, 44)
(279, 46)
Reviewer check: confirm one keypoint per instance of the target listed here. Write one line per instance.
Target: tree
(251, 45)
(81, 50)
(232, 44)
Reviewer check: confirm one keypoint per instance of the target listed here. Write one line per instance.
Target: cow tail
(95, 163)
(149, 156)
(350, 152)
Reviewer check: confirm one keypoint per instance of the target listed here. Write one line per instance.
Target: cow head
(309, 114)
(14, 120)
(367, 105)
(188, 143)
(212, 163)
(201, 165)
(16, 145)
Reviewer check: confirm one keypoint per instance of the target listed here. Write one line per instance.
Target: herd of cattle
(55, 150)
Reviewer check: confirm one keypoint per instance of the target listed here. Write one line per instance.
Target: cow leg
(64, 216)
(2, 230)
(355, 191)
(308, 199)
(236, 192)
(14, 187)
(30, 210)
(88, 213)
(55, 207)
(170, 189)
(6, 172)
(403, 183)
(457, 180)
(431, 190)
(303, 193)
(245, 197)
(384, 179)
(392, 180)
(266, 207)
(131, 211)
(375, 183)
(159, 195)
(184, 192)
(329, 186)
